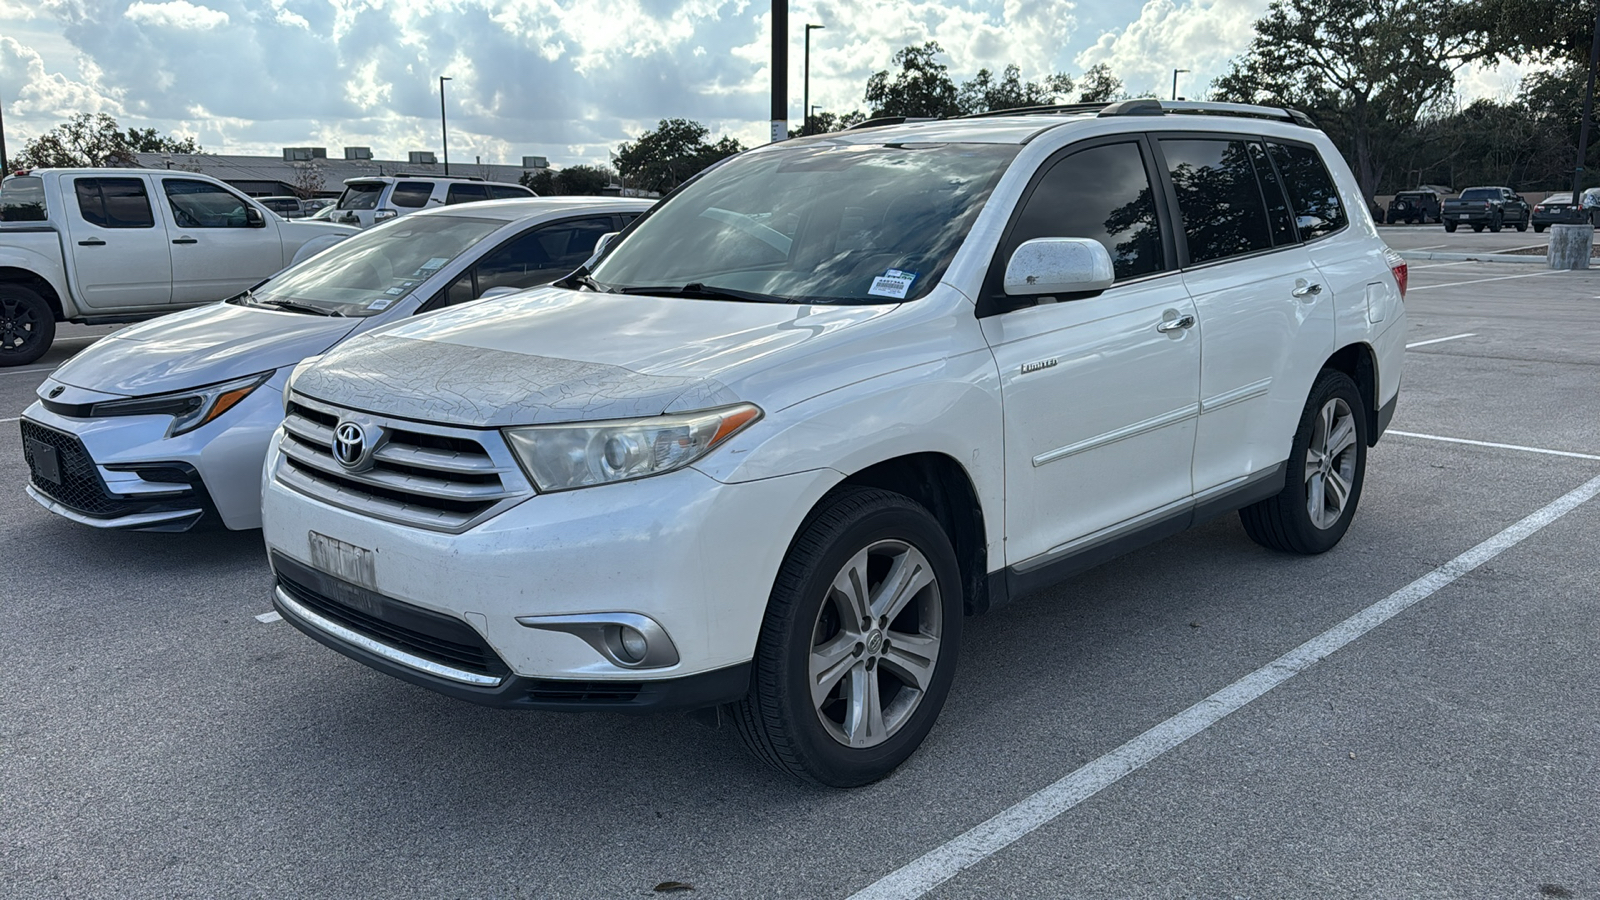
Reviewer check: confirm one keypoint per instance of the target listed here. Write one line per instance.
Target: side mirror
(500, 291)
(253, 218)
(1059, 266)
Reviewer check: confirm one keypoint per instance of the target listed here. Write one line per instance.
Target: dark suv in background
(1415, 207)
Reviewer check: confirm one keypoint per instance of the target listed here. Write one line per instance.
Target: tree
(308, 181)
(1098, 85)
(1365, 70)
(921, 89)
(540, 181)
(582, 181)
(984, 94)
(95, 140)
(674, 152)
(826, 122)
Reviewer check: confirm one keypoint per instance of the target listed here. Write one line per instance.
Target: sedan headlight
(189, 409)
(563, 457)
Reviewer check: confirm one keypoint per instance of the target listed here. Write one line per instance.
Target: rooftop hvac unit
(535, 162)
(424, 157)
(297, 154)
(358, 153)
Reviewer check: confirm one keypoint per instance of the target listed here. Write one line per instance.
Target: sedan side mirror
(253, 218)
(1059, 266)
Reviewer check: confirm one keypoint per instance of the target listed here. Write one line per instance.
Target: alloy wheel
(1330, 463)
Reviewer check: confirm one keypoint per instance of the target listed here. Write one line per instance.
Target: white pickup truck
(117, 245)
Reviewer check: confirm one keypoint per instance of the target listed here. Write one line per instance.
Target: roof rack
(425, 175)
(1039, 110)
(1148, 107)
(881, 121)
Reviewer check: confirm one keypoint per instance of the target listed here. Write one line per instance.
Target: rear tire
(1326, 468)
(1477, 229)
(849, 673)
(1538, 229)
(27, 325)
(1523, 225)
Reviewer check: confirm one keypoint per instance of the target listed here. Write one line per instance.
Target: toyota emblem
(351, 446)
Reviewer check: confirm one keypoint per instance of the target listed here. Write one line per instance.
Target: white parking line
(27, 370)
(1430, 247)
(1451, 440)
(1453, 337)
(1440, 265)
(1010, 825)
(267, 618)
(12, 419)
(1429, 287)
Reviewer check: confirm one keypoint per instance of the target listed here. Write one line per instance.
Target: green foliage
(582, 181)
(674, 152)
(1366, 70)
(93, 141)
(540, 181)
(827, 122)
(1098, 85)
(1555, 31)
(986, 94)
(920, 89)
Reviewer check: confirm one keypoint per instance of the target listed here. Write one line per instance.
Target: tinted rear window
(22, 199)
(114, 202)
(361, 195)
(1219, 198)
(1318, 210)
(508, 192)
(411, 194)
(1480, 194)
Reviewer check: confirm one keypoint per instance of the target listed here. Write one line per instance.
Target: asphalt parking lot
(1146, 730)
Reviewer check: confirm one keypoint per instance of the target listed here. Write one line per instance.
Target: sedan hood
(200, 346)
(554, 355)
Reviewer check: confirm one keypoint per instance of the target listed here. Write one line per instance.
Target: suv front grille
(431, 476)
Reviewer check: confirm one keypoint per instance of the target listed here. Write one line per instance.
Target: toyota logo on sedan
(352, 446)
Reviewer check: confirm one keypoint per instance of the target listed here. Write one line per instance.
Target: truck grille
(430, 476)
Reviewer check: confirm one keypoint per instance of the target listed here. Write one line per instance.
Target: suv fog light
(633, 644)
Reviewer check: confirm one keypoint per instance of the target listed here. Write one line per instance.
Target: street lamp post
(780, 70)
(444, 131)
(805, 122)
(1175, 73)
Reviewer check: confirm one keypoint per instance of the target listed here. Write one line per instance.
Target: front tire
(1326, 468)
(859, 645)
(27, 325)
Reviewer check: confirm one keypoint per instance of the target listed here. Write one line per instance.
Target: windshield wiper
(706, 292)
(292, 306)
(582, 278)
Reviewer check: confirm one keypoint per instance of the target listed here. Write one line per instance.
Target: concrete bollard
(1571, 246)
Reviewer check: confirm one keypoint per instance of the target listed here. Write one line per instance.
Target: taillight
(1397, 267)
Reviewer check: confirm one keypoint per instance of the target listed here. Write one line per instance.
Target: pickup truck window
(22, 199)
(114, 202)
(199, 204)
(1316, 201)
(1102, 193)
(1481, 194)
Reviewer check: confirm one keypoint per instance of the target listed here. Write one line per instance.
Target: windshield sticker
(381, 303)
(893, 283)
(430, 267)
(395, 291)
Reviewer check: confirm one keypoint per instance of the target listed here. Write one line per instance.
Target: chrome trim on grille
(384, 650)
(444, 487)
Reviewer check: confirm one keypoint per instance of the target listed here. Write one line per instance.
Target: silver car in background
(164, 425)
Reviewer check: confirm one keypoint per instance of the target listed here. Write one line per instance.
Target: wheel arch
(37, 283)
(1360, 362)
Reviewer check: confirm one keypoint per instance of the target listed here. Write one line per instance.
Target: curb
(1476, 257)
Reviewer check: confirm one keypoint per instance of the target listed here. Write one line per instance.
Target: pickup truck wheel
(859, 644)
(1538, 229)
(1495, 224)
(1327, 464)
(1523, 225)
(1477, 229)
(27, 326)
(1450, 227)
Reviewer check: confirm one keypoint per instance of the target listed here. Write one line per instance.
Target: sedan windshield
(374, 270)
(830, 223)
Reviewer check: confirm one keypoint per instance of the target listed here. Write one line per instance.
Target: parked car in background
(1590, 203)
(369, 200)
(1415, 207)
(1487, 207)
(1556, 209)
(833, 395)
(286, 207)
(317, 204)
(164, 425)
(325, 214)
(118, 245)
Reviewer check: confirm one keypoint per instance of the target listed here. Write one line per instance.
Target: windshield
(1558, 198)
(833, 223)
(1480, 194)
(361, 195)
(374, 270)
(22, 199)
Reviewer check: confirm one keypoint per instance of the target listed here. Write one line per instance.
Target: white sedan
(165, 425)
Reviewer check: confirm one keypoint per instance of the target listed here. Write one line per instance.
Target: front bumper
(695, 555)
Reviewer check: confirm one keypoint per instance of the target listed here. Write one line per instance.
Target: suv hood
(555, 355)
(200, 346)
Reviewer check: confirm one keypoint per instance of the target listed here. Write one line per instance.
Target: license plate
(46, 462)
(346, 562)
(1465, 216)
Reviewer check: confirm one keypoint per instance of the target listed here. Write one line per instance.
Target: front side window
(361, 195)
(1219, 198)
(537, 257)
(466, 193)
(1317, 208)
(376, 269)
(114, 202)
(1102, 193)
(200, 204)
(854, 224)
(411, 194)
(22, 199)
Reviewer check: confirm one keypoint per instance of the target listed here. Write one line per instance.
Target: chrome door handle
(1302, 289)
(1170, 325)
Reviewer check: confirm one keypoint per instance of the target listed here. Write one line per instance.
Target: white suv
(834, 395)
(369, 200)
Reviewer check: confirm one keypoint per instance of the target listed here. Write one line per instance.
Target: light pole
(780, 70)
(4, 167)
(805, 122)
(444, 131)
(1175, 73)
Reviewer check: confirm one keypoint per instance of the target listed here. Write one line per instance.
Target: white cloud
(180, 14)
(45, 96)
(1202, 36)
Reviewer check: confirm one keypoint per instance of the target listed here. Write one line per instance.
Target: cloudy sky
(567, 79)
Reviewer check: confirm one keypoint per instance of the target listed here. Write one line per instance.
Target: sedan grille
(430, 476)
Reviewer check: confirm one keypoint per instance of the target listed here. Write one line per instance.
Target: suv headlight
(563, 457)
(189, 409)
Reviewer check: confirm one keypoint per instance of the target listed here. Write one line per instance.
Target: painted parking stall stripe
(1453, 440)
(1453, 337)
(984, 840)
(1432, 287)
